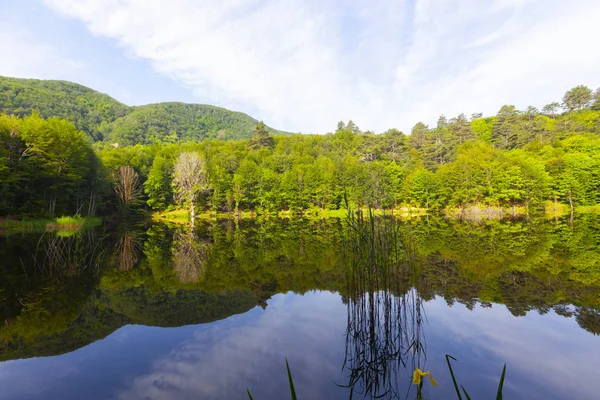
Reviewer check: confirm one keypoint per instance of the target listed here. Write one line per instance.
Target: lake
(166, 312)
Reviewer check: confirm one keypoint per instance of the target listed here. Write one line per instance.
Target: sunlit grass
(61, 224)
(180, 216)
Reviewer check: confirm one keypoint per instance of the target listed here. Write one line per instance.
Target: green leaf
(448, 357)
(466, 394)
(501, 384)
(292, 390)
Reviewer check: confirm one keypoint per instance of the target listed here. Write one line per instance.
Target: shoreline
(48, 224)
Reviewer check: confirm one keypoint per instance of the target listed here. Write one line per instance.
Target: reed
(385, 315)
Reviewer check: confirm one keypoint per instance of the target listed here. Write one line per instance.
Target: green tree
(471, 178)
(460, 130)
(59, 157)
(596, 100)
(158, 185)
(423, 188)
(261, 137)
(577, 98)
(351, 126)
(417, 137)
(245, 183)
(394, 145)
(551, 109)
(505, 130)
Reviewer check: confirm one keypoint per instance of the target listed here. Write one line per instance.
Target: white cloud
(29, 57)
(303, 65)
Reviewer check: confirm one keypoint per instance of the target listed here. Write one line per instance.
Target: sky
(303, 65)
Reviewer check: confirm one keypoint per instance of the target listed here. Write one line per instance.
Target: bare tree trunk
(192, 214)
(571, 204)
(92, 204)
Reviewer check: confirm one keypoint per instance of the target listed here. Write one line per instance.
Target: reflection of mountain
(179, 307)
(114, 309)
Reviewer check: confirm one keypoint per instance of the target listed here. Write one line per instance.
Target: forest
(525, 158)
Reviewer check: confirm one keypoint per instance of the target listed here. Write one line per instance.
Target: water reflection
(61, 293)
(128, 247)
(190, 255)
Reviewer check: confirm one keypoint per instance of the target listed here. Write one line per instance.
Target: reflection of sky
(548, 356)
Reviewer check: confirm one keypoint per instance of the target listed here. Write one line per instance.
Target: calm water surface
(160, 312)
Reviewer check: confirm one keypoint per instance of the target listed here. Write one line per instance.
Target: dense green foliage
(58, 293)
(178, 122)
(104, 118)
(516, 158)
(47, 167)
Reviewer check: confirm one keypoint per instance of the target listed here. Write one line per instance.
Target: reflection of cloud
(544, 353)
(220, 361)
(547, 356)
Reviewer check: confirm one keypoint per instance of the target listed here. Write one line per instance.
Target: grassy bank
(49, 224)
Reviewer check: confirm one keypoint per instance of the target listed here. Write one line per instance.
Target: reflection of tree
(589, 319)
(48, 284)
(128, 249)
(57, 254)
(190, 256)
(263, 291)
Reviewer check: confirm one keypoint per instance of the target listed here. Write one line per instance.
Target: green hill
(104, 118)
(173, 122)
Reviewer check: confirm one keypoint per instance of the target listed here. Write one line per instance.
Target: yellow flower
(418, 374)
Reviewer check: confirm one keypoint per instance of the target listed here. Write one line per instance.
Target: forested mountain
(176, 122)
(104, 118)
(84, 107)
